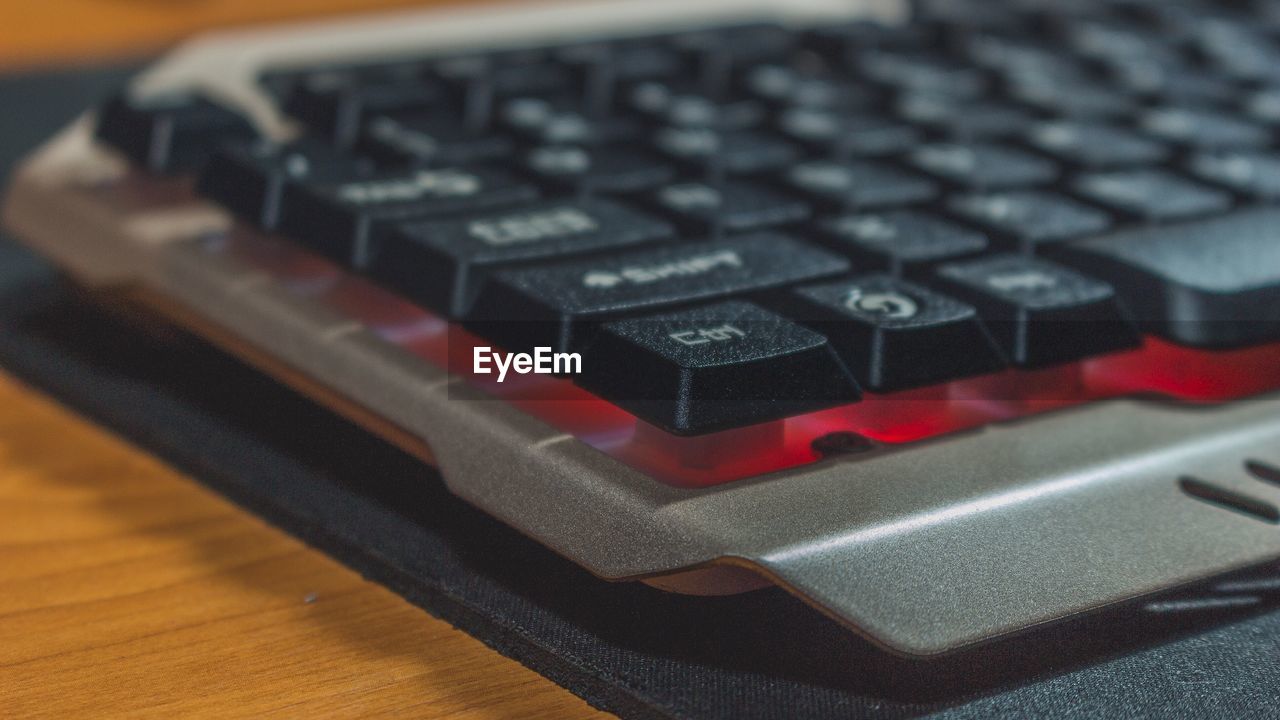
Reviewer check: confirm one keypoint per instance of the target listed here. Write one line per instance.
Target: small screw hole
(841, 443)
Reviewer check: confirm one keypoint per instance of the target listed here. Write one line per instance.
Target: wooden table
(128, 589)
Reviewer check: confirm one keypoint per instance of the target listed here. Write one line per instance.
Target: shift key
(556, 305)
(1210, 282)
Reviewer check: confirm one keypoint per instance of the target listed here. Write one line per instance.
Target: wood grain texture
(34, 32)
(128, 589)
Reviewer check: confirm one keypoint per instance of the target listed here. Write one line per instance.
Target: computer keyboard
(774, 244)
(535, 195)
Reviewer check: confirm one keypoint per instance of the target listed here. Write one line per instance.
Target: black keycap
(1150, 195)
(1083, 98)
(250, 180)
(1213, 282)
(430, 138)
(983, 166)
(742, 151)
(169, 133)
(900, 241)
(895, 334)
(714, 367)
(1256, 174)
(1174, 83)
(715, 57)
(335, 103)
(1095, 146)
(1204, 129)
(1239, 50)
(790, 87)
(1117, 43)
(553, 305)
(610, 169)
(841, 42)
(340, 219)
(964, 16)
(543, 121)
(733, 206)
(1027, 218)
(628, 60)
(964, 120)
(510, 73)
(849, 134)
(1040, 313)
(1020, 57)
(1263, 106)
(440, 263)
(920, 72)
(859, 184)
(667, 104)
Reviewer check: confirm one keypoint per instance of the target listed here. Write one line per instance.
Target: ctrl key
(714, 367)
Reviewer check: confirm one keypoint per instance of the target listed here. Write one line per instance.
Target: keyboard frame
(924, 549)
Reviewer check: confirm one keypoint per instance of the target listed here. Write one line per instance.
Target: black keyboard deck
(734, 225)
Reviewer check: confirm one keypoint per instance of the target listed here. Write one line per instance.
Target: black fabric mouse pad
(626, 648)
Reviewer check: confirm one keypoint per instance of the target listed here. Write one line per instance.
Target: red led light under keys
(1156, 368)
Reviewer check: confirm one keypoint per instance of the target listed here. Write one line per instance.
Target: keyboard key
(920, 72)
(1176, 84)
(787, 87)
(841, 42)
(628, 60)
(1256, 174)
(849, 134)
(430, 139)
(894, 334)
(965, 120)
(1027, 218)
(1204, 129)
(1077, 98)
(1095, 146)
(669, 105)
(1018, 58)
(543, 121)
(981, 166)
(339, 219)
(1150, 195)
(902, 241)
(733, 206)
(858, 184)
(170, 133)
(610, 169)
(1213, 282)
(743, 151)
(440, 263)
(1263, 106)
(335, 103)
(504, 74)
(250, 180)
(714, 367)
(1040, 313)
(1238, 50)
(553, 305)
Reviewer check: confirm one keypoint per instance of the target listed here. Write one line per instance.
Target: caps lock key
(437, 262)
